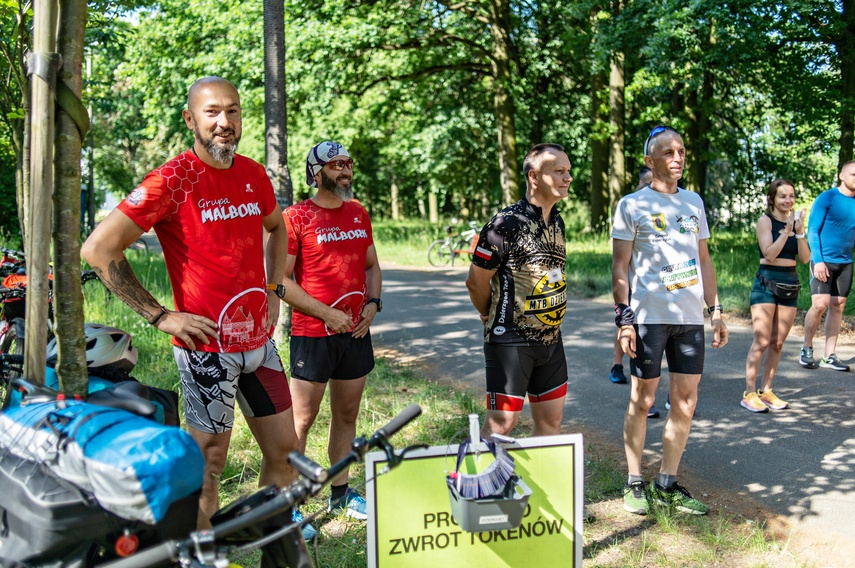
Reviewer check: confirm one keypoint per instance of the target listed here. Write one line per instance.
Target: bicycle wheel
(14, 345)
(439, 253)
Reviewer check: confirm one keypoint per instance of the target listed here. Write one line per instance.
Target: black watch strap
(279, 289)
(377, 301)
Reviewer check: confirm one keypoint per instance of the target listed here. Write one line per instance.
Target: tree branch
(433, 69)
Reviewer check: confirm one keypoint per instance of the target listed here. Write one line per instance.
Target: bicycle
(13, 296)
(443, 251)
(263, 519)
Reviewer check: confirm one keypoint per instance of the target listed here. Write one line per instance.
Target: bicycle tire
(14, 345)
(439, 253)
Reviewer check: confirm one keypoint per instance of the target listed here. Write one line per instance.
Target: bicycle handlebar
(285, 498)
(12, 253)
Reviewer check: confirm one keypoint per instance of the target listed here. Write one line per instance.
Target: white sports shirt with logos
(664, 271)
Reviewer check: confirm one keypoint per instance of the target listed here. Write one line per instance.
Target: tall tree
(42, 64)
(71, 129)
(15, 97)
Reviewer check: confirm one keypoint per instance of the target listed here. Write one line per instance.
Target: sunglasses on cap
(339, 165)
(654, 133)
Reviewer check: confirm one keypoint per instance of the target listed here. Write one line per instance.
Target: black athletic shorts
(514, 370)
(839, 282)
(340, 356)
(683, 346)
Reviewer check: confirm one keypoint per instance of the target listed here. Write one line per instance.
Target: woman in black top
(780, 240)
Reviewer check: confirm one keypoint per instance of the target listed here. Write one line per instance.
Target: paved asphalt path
(798, 462)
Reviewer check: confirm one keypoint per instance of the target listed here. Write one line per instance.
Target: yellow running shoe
(751, 401)
(769, 398)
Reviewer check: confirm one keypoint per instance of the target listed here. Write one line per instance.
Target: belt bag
(781, 290)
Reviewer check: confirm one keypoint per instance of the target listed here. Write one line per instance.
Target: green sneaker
(635, 499)
(678, 498)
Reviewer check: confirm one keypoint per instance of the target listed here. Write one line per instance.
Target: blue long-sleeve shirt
(831, 227)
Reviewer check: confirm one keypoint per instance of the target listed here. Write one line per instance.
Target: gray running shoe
(806, 358)
(833, 362)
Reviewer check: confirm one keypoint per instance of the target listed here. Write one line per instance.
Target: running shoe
(309, 532)
(668, 402)
(832, 362)
(771, 400)
(806, 358)
(617, 376)
(635, 498)
(751, 401)
(653, 413)
(677, 498)
(352, 504)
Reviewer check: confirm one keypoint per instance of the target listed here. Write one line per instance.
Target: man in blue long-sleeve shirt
(831, 235)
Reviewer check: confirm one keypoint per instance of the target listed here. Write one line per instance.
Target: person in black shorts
(335, 294)
(831, 236)
(517, 284)
(660, 255)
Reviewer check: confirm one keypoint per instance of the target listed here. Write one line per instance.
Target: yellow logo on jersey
(658, 221)
(548, 301)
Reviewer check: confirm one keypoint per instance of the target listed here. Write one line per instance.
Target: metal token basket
(492, 499)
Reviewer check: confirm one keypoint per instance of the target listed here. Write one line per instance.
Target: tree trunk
(433, 208)
(276, 126)
(599, 158)
(396, 214)
(846, 51)
(500, 14)
(68, 297)
(617, 118)
(43, 60)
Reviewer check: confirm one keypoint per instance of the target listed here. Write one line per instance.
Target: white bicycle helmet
(105, 346)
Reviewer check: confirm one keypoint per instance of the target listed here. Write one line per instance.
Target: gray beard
(222, 154)
(345, 193)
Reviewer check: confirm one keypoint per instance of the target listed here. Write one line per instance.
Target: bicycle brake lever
(394, 459)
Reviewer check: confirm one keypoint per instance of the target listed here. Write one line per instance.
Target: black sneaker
(653, 413)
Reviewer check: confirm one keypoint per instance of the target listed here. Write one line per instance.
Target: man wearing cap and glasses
(660, 254)
(335, 294)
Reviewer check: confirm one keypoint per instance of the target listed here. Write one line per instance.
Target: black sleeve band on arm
(624, 315)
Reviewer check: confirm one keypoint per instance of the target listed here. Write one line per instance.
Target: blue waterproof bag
(132, 466)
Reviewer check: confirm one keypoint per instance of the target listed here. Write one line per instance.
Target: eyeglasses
(654, 133)
(339, 165)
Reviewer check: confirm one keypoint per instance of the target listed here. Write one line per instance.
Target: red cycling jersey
(330, 248)
(210, 226)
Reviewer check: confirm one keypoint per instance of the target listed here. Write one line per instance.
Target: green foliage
(9, 228)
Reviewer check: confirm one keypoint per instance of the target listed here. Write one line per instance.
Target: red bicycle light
(126, 545)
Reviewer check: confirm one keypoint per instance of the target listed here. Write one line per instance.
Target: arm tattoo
(122, 282)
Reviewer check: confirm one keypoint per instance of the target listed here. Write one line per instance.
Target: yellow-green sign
(410, 521)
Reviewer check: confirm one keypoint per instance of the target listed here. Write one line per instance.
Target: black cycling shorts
(683, 346)
(839, 282)
(516, 370)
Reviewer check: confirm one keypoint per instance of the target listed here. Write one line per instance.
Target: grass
(613, 539)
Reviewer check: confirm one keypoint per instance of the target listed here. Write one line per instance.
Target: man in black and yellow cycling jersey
(517, 284)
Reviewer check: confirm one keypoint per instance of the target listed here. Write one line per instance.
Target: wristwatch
(716, 308)
(377, 301)
(279, 289)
